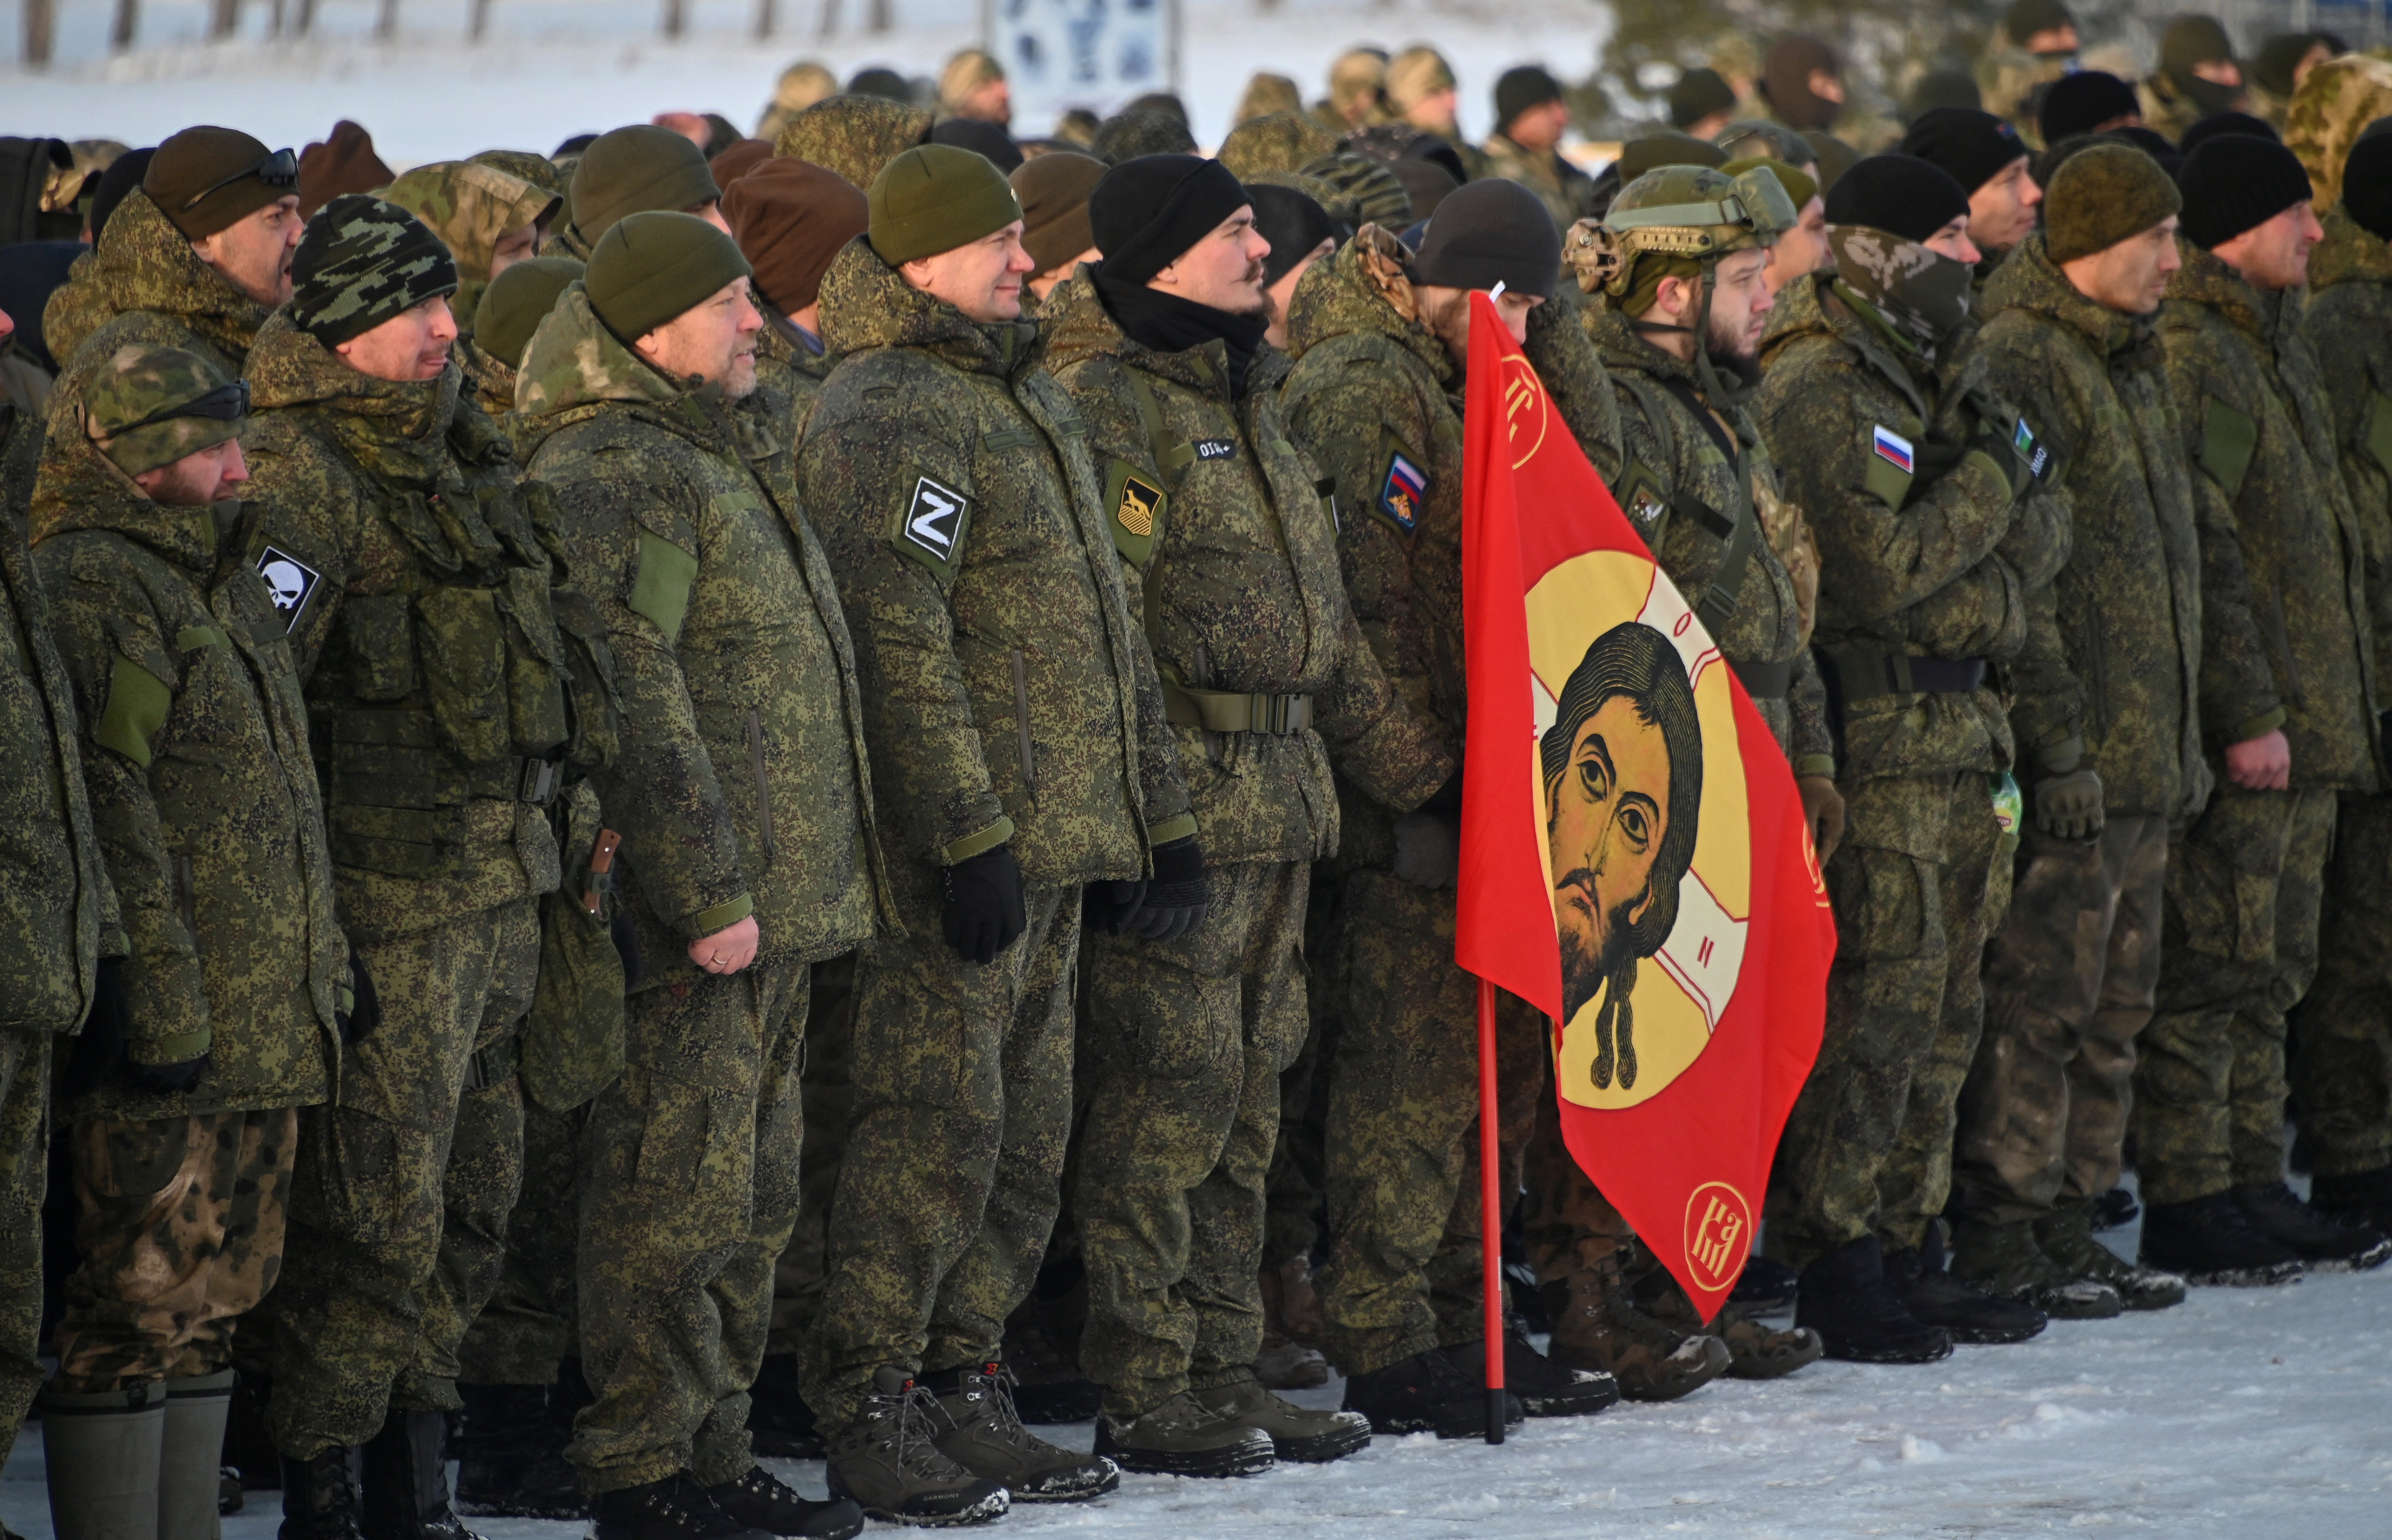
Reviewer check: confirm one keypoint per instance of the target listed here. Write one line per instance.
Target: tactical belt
(1863, 673)
(1223, 711)
(493, 1064)
(1768, 681)
(391, 758)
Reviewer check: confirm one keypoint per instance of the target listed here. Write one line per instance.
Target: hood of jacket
(576, 367)
(405, 428)
(1363, 288)
(81, 489)
(866, 304)
(143, 262)
(855, 136)
(469, 205)
(2029, 282)
(2213, 284)
(2350, 254)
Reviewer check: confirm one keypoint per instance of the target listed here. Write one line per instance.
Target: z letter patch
(935, 520)
(290, 581)
(1895, 450)
(1401, 493)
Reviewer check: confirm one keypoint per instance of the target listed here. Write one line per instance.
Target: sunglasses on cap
(278, 170)
(225, 403)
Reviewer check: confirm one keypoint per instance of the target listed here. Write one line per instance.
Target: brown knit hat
(343, 164)
(1054, 191)
(790, 218)
(2102, 195)
(216, 172)
(738, 161)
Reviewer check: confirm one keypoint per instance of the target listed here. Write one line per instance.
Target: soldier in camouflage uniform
(2289, 700)
(1379, 338)
(1421, 91)
(1939, 545)
(1531, 114)
(2036, 45)
(2341, 1034)
(746, 810)
(856, 136)
(1018, 734)
(1228, 553)
(490, 220)
(2328, 115)
(512, 308)
(637, 169)
(182, 1114)
(2070, 976)
(451, 685)
(2198, 77)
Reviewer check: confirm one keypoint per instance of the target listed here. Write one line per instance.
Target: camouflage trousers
(1569, 1226)
(2244, 885)
(1403, 1273)
(2070, 982)
(826, 1088)
(25, 1178)
(1916, 888)
(689, 1174)
(401, 1193)
(1181, 1108)
(180, 1233)
(2341, 1037)
(954, 1158)
(529, 1327)
(1299, 1177)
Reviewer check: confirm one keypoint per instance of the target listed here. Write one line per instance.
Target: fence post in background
(121, 31)
(306, 17)
(478, 26)
(828, 26)
(767, 18)
(676, 18)
(223, 19)
(41, 23)
(881, 19)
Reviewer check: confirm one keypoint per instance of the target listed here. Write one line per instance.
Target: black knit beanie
(2367, 185)
(2234, 182)
(2083, 102)
(1490, 232)
(1970, 144)
(2216, 124)
(1149, 211)
(1516, 90)
(1899, 194)
(1294, 223)
(361, 262)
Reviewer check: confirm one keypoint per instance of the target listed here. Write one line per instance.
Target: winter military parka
(1007, 692)
(2130, 602)
(1937, 557)
(2349, 326)
(2283, 587)
(453, 684)
(1229, 555)
(740, 786)
(194, 746)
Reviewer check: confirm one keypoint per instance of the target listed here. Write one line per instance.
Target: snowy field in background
(2240, 1415)
(552, 68)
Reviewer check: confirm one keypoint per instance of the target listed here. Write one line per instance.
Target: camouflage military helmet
(149, 406)
(1692, 213)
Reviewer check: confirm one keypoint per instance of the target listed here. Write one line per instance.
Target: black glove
(1177, 896)
(626, 936)
(1446, 801)
(1107, 906)
(365, 1006)
(107, 1031)
(984, 915)
(2384, 721)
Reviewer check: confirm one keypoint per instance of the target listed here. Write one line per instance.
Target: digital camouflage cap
(362, 262)
(150, 406)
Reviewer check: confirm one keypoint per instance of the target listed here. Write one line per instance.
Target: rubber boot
(405, 1471)
(191, 1469)
(102, 1452)
(319, 1497)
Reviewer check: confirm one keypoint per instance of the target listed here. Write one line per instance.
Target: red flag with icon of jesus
(1635, 863)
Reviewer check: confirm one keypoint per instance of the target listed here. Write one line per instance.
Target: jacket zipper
(764, 784)
(1021, 721)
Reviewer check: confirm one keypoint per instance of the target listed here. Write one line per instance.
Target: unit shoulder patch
(1214, 448)
(290, 581)
(1402, 491)
(1135, 505)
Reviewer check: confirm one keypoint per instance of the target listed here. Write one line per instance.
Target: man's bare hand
(728, 949)
(2261, 764)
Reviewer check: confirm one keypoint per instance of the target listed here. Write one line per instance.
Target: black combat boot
(510, 1457)
(319, 1499)
(1185, 1437)
(2066, 1236)
(2327, 1243)
(1935, 1298)
(1427, 1393)
(780, 1424)
(760, 1500)
(2363, 1198)
(980, 1429)
(404, 1472)
(1845, 1297)
(1546, 1389)
(2208, 1240)
(888, 1463)
(674, 1508)
(2008, 1260)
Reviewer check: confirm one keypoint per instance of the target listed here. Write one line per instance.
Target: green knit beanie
(935, 198)
(652, 267)
(517, 301)
(637, 169)
(2102, 195)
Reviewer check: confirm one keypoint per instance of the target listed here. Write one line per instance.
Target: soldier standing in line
(637, 169)
(1531, 114)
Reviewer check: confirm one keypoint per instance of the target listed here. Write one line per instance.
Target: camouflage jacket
(2350, 325)
(1373, 398)
(1229, 554)
(855, 136)
(58, 908)
(566, 239)
(1565, 360)
(1568, 193)
(741, 785)
(195, 750)
(2282, 576)
(1913, 563)
(788, 379)
(1695, 506)
(490, 383)
(2007, 79)
(2130, 602)
(1008, 691)
(469, 206)
(417, 585)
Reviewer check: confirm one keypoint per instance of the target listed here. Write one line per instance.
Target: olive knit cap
(2102, 195)
(636, 169)
(1799, 184)
(150, 406)
(517, 301)
(1054, 191)
(935, 198)
(653, 266)
(205, 179)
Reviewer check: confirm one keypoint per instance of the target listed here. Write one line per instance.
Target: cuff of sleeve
(181, 1048)
(1993, 468)
(2259, 726)
(1815, 764)
(2061, 756)
(978, 843)
(705, 922)
(1182, 827)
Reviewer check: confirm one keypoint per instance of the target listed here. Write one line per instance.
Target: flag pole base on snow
(1490, 1213)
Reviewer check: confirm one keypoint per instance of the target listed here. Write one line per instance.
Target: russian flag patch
(1401, 493)
(1894, 449)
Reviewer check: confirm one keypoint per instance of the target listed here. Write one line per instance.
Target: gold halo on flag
(1682, 990)
(1528, 412)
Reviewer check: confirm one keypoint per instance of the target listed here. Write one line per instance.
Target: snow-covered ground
(552, 68)
(2242, 1414)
